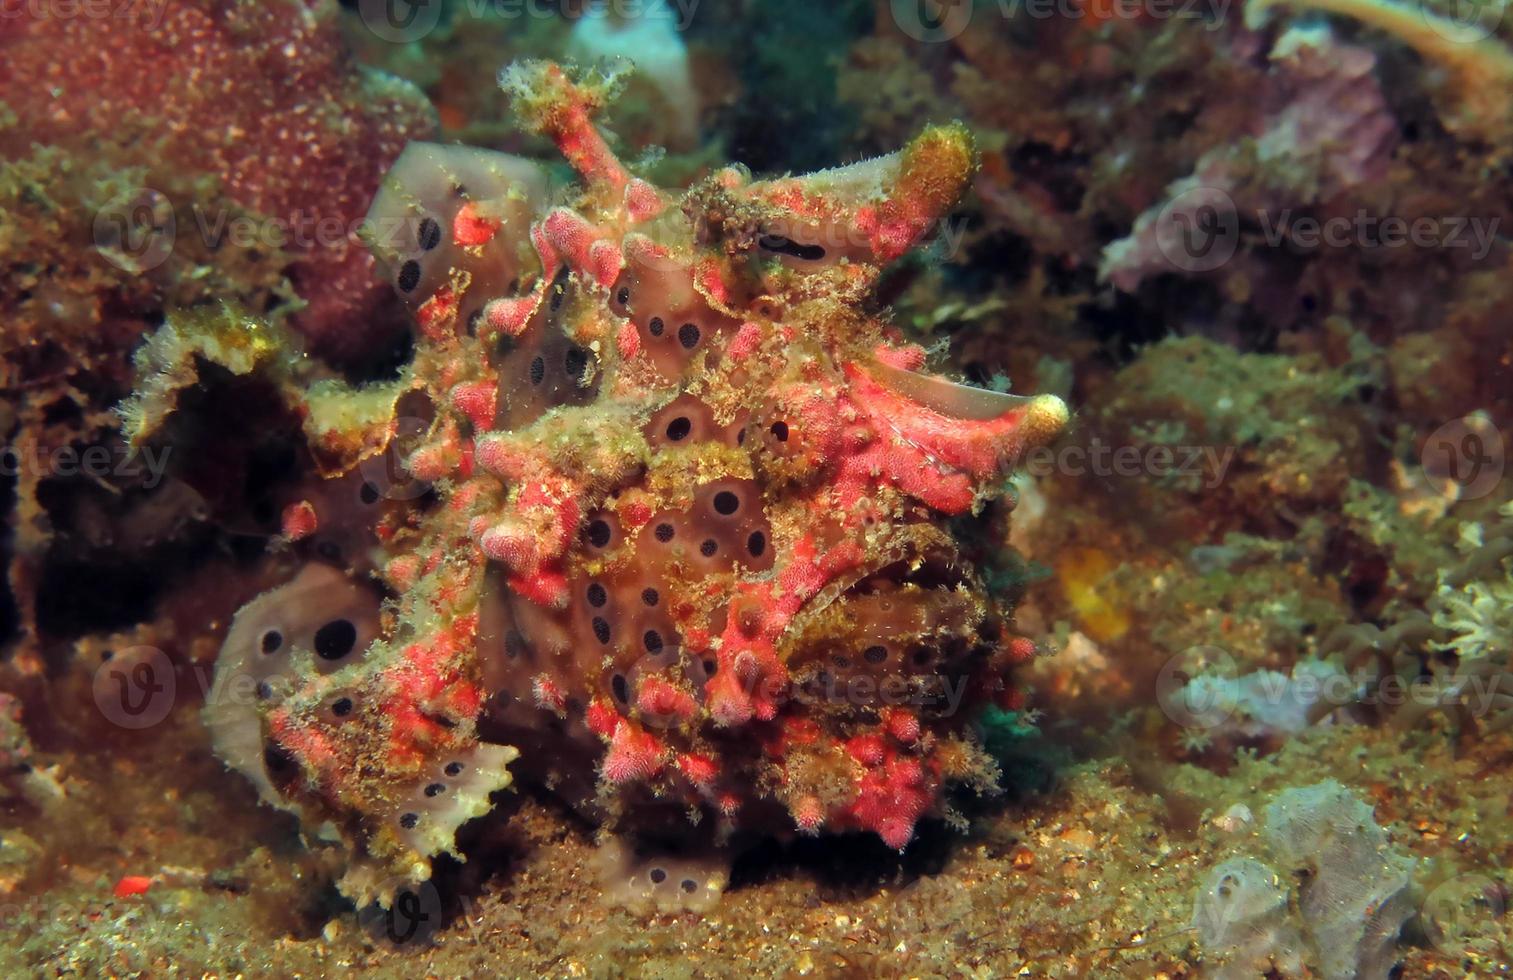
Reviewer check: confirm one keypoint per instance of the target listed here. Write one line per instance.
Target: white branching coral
(1479, 614)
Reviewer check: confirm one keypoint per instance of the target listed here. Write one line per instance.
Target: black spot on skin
(658, 876)
(430, 233)
(272, 640)
(538, 370)
(726, 503)
(435, 788)
(620, 688)
(688, 336)
(875, 654)
(335, 639)
(652, 641)
(598, 533)
(409, 276)
(368, 493)
(575, 362)
(597, 597)
(409, 820)
(650, 597)
(780, 431)
(329, 550)
(655, 326)
(690, 886)
(787, 246)
(276, 759)
(710, 666)
(601, 629)
(264, 690)
(709, 547)
(623, 295)
(663, 532)
(341, 707)
(756, 544)
(557, 295)
(678, 429)
(454, 769)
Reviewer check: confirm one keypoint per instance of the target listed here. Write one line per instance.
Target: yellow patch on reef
(166, 364)
(939, 162)
(346, 424)
(1102, 612)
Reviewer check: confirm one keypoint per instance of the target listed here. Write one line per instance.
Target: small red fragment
(299, 520)
(470, 228)
(132, 885)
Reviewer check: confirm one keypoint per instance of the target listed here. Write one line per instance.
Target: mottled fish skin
(688, 546)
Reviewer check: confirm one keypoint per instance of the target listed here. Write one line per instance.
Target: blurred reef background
(1262, 250)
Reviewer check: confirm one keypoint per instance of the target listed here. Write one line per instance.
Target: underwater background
(686, 488)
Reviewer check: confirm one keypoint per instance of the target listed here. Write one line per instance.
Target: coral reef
(325, 130)
(1265, 565)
